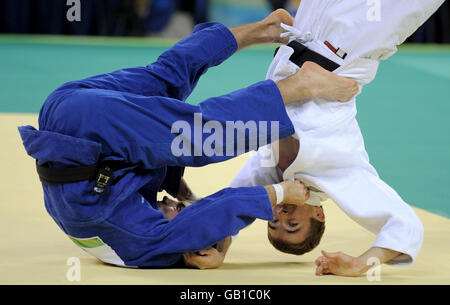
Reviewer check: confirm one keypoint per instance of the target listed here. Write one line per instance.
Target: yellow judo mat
(33, 250)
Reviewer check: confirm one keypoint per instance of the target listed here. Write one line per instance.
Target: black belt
(101, 172)
(302, 54)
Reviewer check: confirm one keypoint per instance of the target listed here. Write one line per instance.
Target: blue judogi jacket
(127, 116)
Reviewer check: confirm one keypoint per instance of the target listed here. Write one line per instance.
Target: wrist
(279, 193)
(258, 33)
(250, 34)
(360, 265)
(286, 190)
(262, 30)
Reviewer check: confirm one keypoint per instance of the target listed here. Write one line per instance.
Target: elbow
(419, 230)
(416, 236)
(416, 228)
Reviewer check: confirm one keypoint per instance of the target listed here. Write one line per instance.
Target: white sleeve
(370, 202)
(256, 172)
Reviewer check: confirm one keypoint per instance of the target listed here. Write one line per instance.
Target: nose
(282, 211)
(285, 208)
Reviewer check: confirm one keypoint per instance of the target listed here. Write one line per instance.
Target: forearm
(224, 245)
(213, 218)
(381, 255)
(185, 193)
(250, 34)
(264, 31)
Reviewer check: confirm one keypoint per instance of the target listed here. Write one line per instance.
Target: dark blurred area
(98, 17)
(149, 18)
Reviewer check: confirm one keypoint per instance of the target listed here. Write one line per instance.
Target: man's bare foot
(313, 81)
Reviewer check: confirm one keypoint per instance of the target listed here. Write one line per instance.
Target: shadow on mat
(266, 265)
(225, 266)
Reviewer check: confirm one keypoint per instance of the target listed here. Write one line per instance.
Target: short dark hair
(316, 230)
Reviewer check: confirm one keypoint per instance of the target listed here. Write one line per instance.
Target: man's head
(296, 229)
(171, 208)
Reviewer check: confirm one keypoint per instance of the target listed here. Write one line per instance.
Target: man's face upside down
(296, 229)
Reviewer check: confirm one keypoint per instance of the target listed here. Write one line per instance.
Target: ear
(318, 214)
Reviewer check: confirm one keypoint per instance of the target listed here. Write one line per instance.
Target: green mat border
(158, 42)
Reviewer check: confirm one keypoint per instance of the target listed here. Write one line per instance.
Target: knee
(71, 110)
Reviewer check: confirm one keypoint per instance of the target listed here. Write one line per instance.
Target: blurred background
(161, 18)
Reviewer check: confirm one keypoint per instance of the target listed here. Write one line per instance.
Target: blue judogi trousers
(128, 116)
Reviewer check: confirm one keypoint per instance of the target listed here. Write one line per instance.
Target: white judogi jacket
(332, 156)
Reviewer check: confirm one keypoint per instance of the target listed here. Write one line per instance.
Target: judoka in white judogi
(332, 156)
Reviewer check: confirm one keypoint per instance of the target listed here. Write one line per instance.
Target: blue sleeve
(176, 72)
(143, 130)
(205, 223)
(259, 105)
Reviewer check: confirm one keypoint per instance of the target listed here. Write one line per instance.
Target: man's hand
(295, 192)
(339, 264)
(208, 259)
(345, 265)
(205, 259)
(313, 81)
(265, 31)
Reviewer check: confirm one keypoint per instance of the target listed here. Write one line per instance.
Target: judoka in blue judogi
(127, 116)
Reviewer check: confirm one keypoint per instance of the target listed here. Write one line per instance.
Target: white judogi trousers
(332, 156)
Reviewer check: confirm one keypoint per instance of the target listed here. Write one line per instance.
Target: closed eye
(271, 226)
(180, 207)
